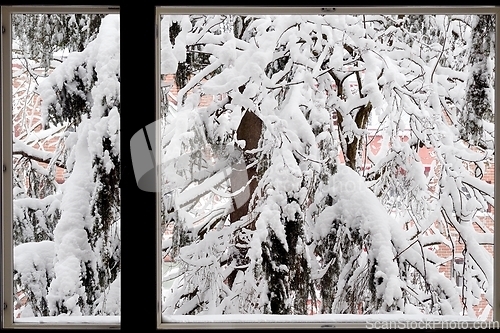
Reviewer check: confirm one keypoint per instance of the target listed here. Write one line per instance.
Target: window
(61, 257)
(323, 167)
(302, 184)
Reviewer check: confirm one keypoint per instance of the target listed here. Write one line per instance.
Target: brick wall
(27, 118)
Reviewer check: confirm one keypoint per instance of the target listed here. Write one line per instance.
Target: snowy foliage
(296, 104)
(329, 219)
(79, 117)
(40, 35)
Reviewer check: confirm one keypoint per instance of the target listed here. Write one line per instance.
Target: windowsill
(369, 321)
(70, 320)
(322, 318)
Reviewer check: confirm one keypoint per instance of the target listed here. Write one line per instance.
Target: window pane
(327, 164)
(66, 166)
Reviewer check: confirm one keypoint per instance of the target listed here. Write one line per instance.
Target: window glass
(321, 165)
(65, 164)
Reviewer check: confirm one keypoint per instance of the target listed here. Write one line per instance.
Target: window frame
(180, 10)
(6, 181)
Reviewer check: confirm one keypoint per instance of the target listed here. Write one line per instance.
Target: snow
(319, 318)
(62, 319)
(331, 319)
(70, 236)
(294, 127)
(355, 203)
(69, 256)
(37, 254)
(407, 87)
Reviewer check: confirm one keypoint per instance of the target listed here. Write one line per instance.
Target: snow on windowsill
(318, 318)
(71, 320)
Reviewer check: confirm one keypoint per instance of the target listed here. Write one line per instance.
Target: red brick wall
(31, 111)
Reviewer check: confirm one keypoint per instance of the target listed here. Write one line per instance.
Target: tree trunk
(250, 130)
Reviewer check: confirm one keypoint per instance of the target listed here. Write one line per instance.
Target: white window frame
(348, 323)
(6, 243)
